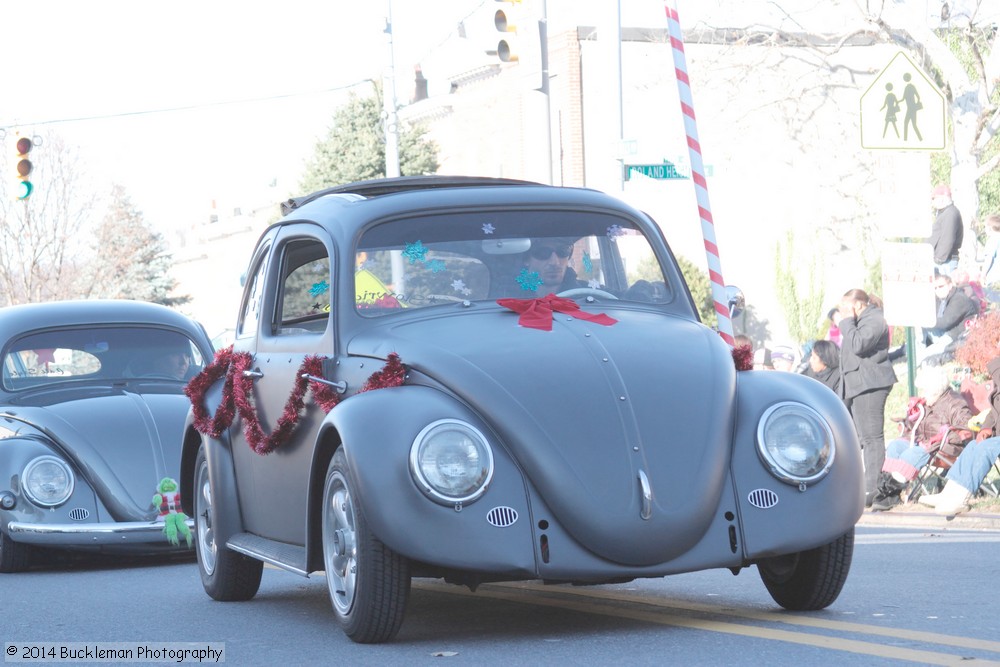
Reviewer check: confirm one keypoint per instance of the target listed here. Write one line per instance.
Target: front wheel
(13, 555)
(809, 580)
(369, 583)
(226, 575)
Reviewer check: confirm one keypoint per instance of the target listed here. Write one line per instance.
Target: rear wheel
(369, 583)
(13, 555)
(809, 580)
(226, 575)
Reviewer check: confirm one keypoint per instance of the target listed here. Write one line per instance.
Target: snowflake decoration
(594, 283)
(435, 265)
(614, 231)
(588, 264)
(319, 288)
(415, 252)
(529, 281)
(488, 228)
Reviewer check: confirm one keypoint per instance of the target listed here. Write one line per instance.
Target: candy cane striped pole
(698, 176)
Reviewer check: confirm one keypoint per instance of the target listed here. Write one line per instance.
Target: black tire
(14, 556)
(226, 575)
(369, 583)
(809, 580)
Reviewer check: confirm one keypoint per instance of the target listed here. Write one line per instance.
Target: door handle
(253, 374)
(341, 387)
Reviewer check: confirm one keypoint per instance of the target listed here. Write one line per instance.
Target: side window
(252, 300)
(305, 291)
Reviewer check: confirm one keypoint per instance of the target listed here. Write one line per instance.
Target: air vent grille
(763, 498)
(501, 517)
(79, 514)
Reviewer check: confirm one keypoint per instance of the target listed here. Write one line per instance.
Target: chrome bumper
(90, 534)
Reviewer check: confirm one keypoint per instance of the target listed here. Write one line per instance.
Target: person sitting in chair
(975, 461)
(938, 423)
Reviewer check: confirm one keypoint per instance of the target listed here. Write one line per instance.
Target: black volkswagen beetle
(92, 411)
(483, 380)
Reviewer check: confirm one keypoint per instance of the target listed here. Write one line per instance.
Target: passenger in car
(173, 362)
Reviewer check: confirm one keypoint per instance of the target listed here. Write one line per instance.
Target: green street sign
(660, 172)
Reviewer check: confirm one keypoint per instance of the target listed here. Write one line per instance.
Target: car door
(295, 322)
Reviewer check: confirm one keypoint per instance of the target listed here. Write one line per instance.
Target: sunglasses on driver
(544, 251)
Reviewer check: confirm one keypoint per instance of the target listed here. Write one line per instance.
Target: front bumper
(92, 534)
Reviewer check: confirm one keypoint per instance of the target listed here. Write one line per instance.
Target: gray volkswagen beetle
(483, 380)
(92, 411)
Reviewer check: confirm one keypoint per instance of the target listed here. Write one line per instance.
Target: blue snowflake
(435, 265)
(415, 252)
(588, 264)
(614, 231)
(529, 281)
(319, 288)
(488, 228)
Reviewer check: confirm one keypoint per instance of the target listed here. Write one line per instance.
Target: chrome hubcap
(340, 545)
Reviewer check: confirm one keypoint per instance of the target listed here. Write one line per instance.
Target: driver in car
(549, 258)
(172, 363)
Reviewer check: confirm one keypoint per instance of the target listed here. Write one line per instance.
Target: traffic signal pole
(389, 104)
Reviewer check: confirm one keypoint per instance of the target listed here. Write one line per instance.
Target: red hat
(941, 190)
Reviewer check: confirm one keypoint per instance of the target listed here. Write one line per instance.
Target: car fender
(793, 518)
(377, 430)
(228, 520)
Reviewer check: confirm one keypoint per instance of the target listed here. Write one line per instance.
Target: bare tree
(40, 257)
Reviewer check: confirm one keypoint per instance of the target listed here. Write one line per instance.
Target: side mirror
(734, 297)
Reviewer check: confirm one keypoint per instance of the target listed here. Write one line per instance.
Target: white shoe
(931, 499)
(953, 499)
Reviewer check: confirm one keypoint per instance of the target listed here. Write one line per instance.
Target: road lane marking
(562, 597)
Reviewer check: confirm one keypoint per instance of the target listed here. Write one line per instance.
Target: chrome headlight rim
(425, 486)
(775, 467)
(29, 470)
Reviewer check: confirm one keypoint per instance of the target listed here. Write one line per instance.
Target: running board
(280, 554)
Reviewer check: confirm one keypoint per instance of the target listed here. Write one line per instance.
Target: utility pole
(389, 104)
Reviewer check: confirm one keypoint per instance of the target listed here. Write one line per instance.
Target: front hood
(122, 442)
(585, 408)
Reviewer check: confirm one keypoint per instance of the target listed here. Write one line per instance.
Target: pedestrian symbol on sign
(920, 103)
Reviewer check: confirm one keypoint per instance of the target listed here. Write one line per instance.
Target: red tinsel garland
(237, 396)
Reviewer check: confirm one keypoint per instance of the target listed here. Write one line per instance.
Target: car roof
(382, 186)
(19, 319)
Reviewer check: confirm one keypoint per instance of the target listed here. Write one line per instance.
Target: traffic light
(517, 31)
(23, 166)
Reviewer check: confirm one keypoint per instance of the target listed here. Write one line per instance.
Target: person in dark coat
(947, 231)
(954, 309)
(824, 364)
(866, 376)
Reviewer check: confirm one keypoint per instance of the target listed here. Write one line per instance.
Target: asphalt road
(900, 606)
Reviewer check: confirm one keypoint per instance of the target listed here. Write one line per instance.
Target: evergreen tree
(132, 260)
(354, 148)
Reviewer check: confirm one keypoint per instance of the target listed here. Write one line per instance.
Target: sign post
(907, 276)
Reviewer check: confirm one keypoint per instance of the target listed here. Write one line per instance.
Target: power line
(189, 107)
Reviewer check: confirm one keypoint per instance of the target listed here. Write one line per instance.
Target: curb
(918, 519)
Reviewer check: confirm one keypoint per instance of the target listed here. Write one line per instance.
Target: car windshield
(431, 260)
(107, 353)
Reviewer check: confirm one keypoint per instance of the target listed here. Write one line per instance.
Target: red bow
(537, 313)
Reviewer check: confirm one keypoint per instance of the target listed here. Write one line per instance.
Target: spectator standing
(866, 376)
(947, 231)
(990, 272)
(833, 333)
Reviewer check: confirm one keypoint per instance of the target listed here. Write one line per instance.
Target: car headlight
(451, 462)
(796, 443)
(47, 481)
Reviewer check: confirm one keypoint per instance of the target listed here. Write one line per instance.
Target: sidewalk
(915, 515)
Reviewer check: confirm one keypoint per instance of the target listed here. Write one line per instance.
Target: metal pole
(543, 38)
(389, 105)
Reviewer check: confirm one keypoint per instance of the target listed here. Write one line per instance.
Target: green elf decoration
(168, 500)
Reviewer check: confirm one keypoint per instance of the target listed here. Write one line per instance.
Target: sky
(190, 103)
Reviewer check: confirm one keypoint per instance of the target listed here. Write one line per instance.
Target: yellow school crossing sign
(903, 109)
